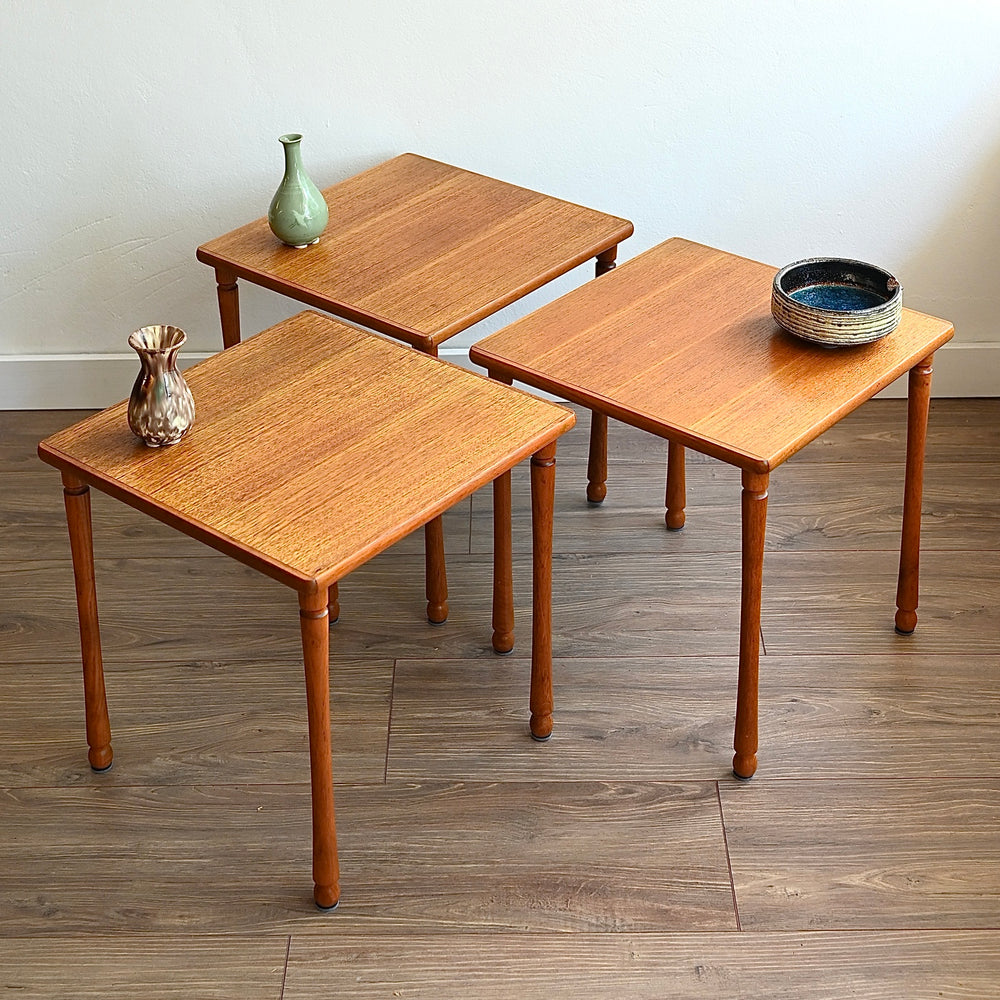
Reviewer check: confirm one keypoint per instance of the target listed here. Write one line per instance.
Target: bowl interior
(838, 285)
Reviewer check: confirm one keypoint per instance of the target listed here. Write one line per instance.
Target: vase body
(298, 213)
(161, 407)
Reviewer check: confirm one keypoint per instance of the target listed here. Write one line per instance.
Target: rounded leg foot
(674, 520)
(744, 767)
(906, 622)
(596, 492)
(437, 614)
(541, 728)
(100, 759)
(326, 899)
(503, 643)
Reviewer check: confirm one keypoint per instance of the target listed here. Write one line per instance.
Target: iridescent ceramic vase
(161, 407)
(298, 213)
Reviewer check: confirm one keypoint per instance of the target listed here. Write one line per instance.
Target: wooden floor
(621, 859)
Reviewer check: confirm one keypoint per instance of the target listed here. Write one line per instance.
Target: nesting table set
(318, 445)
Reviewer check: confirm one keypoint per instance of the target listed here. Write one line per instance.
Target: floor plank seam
(729, 860)
(284, 971)
(388, 727)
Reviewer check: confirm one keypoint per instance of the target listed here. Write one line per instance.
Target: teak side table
(680, 342)
(420, 250)
(316, 446)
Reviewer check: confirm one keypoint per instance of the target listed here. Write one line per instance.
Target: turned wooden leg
(543, 480)
(503, 568)
(503, 559)
(754, 523)
(676, 499)
(917, 408)
(228, 292)
(333, 603)
(76, 495)
(314, 621)
(605, 262)
(597, 460)
(436, 572)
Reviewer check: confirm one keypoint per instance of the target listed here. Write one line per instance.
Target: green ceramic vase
(298, 213)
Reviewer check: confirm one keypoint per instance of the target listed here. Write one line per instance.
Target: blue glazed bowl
(836, 302)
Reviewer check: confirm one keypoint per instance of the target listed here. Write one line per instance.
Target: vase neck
(159, 362)
(293, 152)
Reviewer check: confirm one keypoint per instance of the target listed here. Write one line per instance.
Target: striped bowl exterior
(833, 327)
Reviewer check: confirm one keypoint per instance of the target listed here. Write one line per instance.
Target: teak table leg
(605, 262)
(917, 408)
(228, 292)
(754, 523)
(333, 603)
(543, 480)
(77, 498)
(503, 557)
(676, 499)
(597, 460)
(314, 621)
(435, 568)
(436, 572)
(503, 568)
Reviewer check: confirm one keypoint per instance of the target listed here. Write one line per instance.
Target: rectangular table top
(681, 342)
(422, 250)
(315, 446)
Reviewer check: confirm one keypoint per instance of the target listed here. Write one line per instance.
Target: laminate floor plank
(157, 967)
(860, 506)
(891, 854)
(439, 855)
(810, 507)
(192, 723)
(958, 430)
(863, 856)
(662, 718)
(615, 718)
(602, 605)
(844, 602)
(926, 965)
(21, 430)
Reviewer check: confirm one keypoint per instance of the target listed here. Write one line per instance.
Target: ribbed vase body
(161, 407)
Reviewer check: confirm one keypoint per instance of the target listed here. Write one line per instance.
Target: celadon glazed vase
(298, 213)
(161, 407)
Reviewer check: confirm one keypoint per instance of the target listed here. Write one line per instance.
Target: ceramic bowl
(836, 302)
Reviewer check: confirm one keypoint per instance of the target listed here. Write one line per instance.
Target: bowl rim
(891, 281)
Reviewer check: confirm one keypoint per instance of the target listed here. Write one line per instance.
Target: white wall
(778, 129)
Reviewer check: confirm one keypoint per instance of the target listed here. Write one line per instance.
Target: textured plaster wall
(778, 129)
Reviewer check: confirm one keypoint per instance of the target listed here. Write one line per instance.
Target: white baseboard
(70, 381)
(93, 381)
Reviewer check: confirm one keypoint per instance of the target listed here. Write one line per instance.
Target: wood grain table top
(422, 250)
(680, 341)
(315, 446)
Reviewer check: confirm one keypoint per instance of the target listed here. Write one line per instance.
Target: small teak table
(316, 446)
(680, 342)
(420, 250)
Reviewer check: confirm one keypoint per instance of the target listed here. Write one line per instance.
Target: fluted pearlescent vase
(298, 213)
(161, 407)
